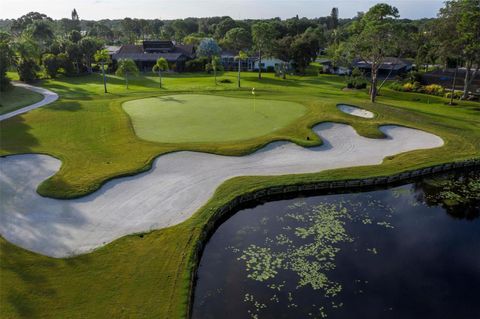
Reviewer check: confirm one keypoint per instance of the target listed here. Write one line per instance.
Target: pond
(411, 251)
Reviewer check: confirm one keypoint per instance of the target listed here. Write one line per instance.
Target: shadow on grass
(15, 135)
(70, 106)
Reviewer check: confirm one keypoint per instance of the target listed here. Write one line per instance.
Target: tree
(7, 58)
(374, 39)
(333, 19)
(75, 36)
(19, 25)
(238, 39)
(126, 67)
(216, 65)
(160, 66)
(27, 56)
(242, 56)
(102, 57)
(89, 46)
(74, 54)
(459, 35)
(41, 31)
(208, 47)
(50, 63)
(263, 34)
(223, 27)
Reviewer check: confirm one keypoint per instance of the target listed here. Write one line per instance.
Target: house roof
(148, 51)
(149, 57)
(387, 63)
(187, 49)
(112, 49)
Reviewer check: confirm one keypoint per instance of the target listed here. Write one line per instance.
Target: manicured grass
(145, 276)
(16, 98)
(208, 118)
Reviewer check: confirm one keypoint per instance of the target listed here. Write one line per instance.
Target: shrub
(397, 86)
(414, 77)
(457, 95)
(51, 65)
(270, 69)
(225, 81)
(356, 80)
(27, 70)
(196, 65)
(434, 89)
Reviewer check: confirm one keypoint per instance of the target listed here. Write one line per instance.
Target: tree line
(451, 40)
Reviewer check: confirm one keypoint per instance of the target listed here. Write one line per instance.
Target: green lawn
(16, 98)
(149, 276)
(207, 118)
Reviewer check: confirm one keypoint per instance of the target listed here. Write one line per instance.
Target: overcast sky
(237, 9)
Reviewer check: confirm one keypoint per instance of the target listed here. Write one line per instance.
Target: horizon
(239, 10)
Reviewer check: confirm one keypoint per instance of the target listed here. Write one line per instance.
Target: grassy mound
(207, 118)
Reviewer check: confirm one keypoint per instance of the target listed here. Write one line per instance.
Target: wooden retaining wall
(232, 205)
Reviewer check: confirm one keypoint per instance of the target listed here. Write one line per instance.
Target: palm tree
(126, 66)
(242, 56)
(102, 57)
(215, 66)
(161, 65)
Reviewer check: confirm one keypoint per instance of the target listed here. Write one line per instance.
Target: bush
(356, 80)
(27, 70)
(51, 65)
(434, 89)
(225, 81)
(397, 86)
(457, 95)
(270, 69)
(196, 65)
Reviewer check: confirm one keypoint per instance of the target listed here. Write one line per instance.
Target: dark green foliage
(356, 80)
(196, 65)
(6, 60)
(51, 65)
(27, 70)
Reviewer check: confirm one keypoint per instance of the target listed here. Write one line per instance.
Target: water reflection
(458, 194)
(388, 253)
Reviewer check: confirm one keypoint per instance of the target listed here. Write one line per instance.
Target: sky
(237, 9)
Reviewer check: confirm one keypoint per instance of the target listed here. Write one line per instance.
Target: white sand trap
(48, 97)
(177, 186)
(355, 111)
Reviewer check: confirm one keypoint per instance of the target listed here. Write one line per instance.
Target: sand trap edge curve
(173, 190)
(355, 111)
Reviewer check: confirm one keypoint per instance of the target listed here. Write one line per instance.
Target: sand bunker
(355, 111)
(48, 97)
(177, 186)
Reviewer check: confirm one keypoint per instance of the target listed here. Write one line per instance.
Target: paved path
(175, 188)
(48, 97)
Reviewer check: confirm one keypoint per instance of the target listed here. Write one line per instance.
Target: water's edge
(277, 192)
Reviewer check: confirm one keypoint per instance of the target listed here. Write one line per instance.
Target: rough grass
(17, 97)
(185, 118)
(149, 276)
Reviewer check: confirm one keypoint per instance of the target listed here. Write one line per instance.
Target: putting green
(208, 118)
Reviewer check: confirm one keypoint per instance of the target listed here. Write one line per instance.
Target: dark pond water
(411, 251)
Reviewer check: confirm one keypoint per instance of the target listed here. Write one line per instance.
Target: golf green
(208, 118)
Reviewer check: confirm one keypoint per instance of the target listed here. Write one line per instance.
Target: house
(390, 65)
(227, 58)
(270, 63)
(146, 54)
(229, 63)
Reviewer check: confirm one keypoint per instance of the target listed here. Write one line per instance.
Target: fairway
(16, 98)
(208, 118)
